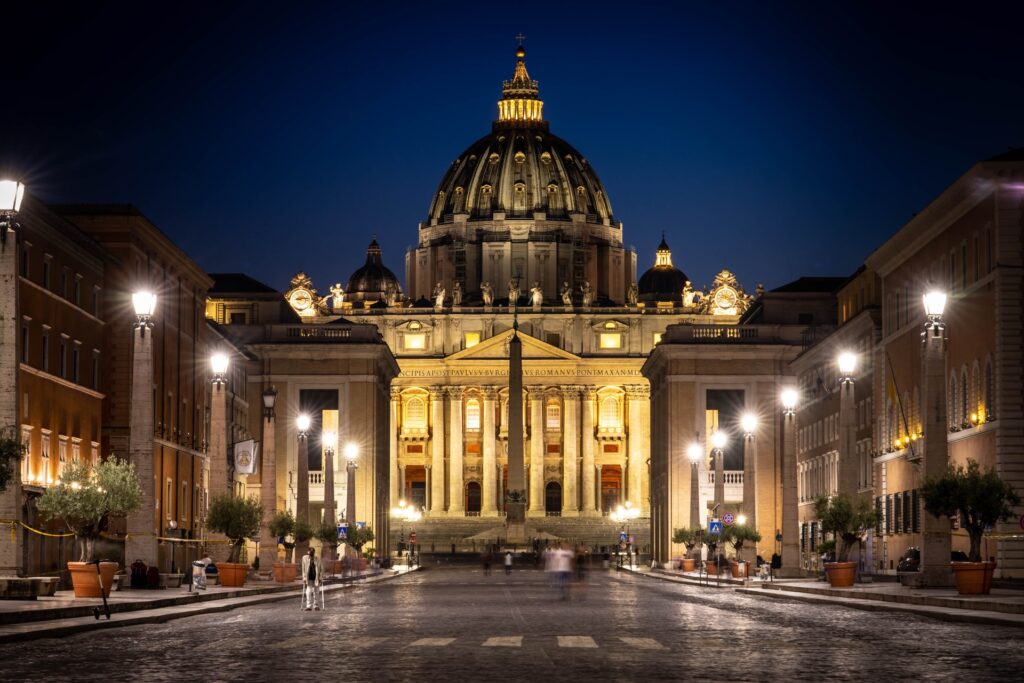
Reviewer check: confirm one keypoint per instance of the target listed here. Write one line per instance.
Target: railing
(316, 478)
(730, 477)
(472, 513)
(552, 513)
(319, 331)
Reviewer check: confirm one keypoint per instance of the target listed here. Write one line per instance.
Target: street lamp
(302, 424)
(141, 540)
(790, 517)
(719, 439)
(328, 440)
(144, 303)
(351, 457)
(749, 425)
(935, 543)
(405, 513)
(268, 478)
(219, 367)
(11, 194)
(848, 465)
(623, 514)
(847, 363)
(220, 481)
(695, 451)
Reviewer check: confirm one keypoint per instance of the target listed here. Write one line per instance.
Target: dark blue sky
(774, 141)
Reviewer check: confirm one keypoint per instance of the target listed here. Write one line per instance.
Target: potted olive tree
(282, 526)
(327, 534)
(982, 499)
(691, 537)
(738, 535)
(357, 538)
(847, 521)
(84, 500)
(237, 518)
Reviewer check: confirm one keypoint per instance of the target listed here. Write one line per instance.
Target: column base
(789, 573)
(935, 577)
(589, 513)
(489, 513)
(570, 513)
(456, 513)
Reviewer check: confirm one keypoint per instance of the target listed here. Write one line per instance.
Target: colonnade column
(639, 434)
(397, 490)
(536, 497)
(589, 486)
(570, 499)
(489, 502)
(456, 492)
(437, 450)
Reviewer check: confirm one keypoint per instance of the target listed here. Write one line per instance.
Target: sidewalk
(1001, 607)
(64, 614)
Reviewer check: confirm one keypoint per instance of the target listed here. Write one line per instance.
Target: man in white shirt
(312, 571)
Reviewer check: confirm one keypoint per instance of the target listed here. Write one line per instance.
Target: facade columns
(488, 498)
(639, 433)
(589, 485)
(397, 486)
(142, 532)
(456, 491)
(536, 496)
(570, 497)
(268, 490)
(437, 450)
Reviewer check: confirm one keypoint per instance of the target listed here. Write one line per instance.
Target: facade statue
(337, 297)
(536, 295)
(632, 294)
(391, 295)
(566, 294)
(688, 295)
(513, 291)
(588, 293)
(759, 290)
(487, 292)
(439, 293)
(457, 294)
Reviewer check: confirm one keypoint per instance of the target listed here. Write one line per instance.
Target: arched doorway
(611, 487)
(553, 498)
(473, 498)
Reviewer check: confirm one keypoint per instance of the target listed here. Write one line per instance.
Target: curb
(942, 614)
(684, 580)
(57, 628)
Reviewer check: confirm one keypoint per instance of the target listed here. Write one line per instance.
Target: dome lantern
(520, 103)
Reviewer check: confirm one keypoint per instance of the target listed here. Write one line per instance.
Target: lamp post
(623, 514)
(140, 543)
(11, 193)
(219, 483)
(405, 513)
(935, 541)
(848, 479)
(695, 452)
(719, 439)
(328, 440)
(351, 458)
(302, 423)
(790, 517)
(749, 425)
(268, 480)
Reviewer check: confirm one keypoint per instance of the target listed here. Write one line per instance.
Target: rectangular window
(907, 523)
(897, 511)
(168, 498)
(78, 290)
(554, 417)
(23, 266)
(44, 452)
(94, 455)
(24, 343)
(414, 342)
(880, 516)
(915, 512)
(888, 514)
(64, 283)
(63, 362)
(473, 414)
(76, 452)
(26, 462)
(183, 502)
(75, 357)
(471, 339)
(554, 338)
(237, 319)
(611, 340)
(44, 348)
(46, 271)
(95, 371)
(96, 301)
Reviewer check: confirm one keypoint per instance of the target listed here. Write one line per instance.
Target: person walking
(312, 572)
(508, 562)
(486, 557)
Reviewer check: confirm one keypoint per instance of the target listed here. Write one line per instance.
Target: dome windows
(520, 157)
(545, 157)
(493, 158)
(485, 189)
(520, 186)
(581, 191)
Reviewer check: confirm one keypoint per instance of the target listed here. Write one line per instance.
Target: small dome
(662, 281)
(373, 280)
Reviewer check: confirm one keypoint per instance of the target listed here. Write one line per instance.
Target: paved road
(456, 624)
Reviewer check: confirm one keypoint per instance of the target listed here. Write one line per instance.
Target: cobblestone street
(457, 624)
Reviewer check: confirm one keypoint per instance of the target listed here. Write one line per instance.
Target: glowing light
(302, 422)
(847, 363)
(748, 422)
(934, 303)
(719, 439)
(351, 451)
(328, 439)
(695, 452)
(742, 519)
(219, 364)
(789, 398)
(144, 303)
(11, 194)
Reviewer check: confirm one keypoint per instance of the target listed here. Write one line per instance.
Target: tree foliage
(327, 534)
(281, 526)
(688, 536)
(303, 531)
(85, 499)
(846, 520)
(359, 537)
(982, 499)
(738, 534)
(12, 450)
(237, 518)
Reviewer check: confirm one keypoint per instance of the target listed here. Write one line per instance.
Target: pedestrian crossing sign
(715, 527)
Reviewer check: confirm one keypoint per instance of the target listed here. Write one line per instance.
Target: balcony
(733, 486)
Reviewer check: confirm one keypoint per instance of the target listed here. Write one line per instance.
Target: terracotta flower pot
(232, 574)
(285, 572)
(712, 567)
(86, 582)
(734, 567)
(841, 574)
(973, 578)
(688, 564)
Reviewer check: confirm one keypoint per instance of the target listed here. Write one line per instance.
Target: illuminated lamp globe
(719, 439)
(144, 303)
(934, 303)
(847, 363)
(789, 398)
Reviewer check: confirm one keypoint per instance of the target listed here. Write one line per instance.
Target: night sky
(268, 140)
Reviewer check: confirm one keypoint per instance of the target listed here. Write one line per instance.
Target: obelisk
(515, 497)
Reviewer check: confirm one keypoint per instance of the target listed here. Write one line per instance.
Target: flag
(245, 457)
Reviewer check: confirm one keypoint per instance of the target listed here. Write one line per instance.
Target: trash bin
(199, 576)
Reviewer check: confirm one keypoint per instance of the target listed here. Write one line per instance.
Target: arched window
(990, 392)
(416, 413)
(964, 397)
(609, 416)
(473, 414)
(553, 417)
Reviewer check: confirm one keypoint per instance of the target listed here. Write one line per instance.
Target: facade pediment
(497, 348)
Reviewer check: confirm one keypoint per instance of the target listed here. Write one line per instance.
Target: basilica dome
(520, 168)
(662, 281)
(373, 280)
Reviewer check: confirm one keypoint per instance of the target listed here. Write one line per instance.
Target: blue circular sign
(728, 518)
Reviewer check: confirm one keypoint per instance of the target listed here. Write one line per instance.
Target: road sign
(343, 531)
(715, 527)
(728, 518)
(412, 537)
(622, 537)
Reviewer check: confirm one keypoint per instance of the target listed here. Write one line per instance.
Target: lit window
(611, 340)
(416, 413)
(554, 417)
(473, 414)
(609, 416)
(657, 338)
(415, 342)
(472, 339)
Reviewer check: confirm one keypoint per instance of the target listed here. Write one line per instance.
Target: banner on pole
(245, 457)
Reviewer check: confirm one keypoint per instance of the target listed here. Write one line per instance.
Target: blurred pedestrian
(508, 563)
(312, 572)
(486, 557)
